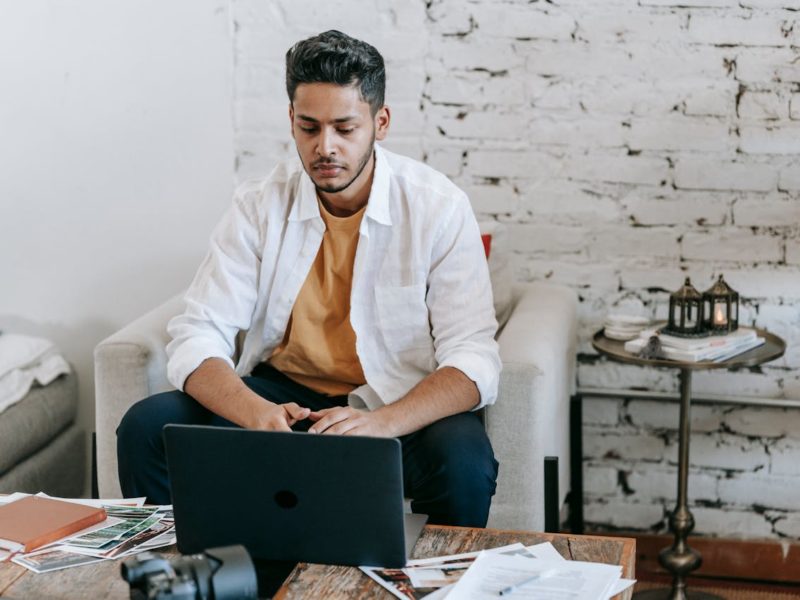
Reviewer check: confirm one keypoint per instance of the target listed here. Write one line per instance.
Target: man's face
(334, 131)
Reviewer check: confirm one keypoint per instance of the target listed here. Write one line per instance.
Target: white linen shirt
(420, 298)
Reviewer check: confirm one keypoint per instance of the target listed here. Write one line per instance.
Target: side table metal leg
(679, 559)
(576, 464)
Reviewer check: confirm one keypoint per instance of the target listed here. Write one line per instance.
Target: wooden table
(325, 581)
(102, 579)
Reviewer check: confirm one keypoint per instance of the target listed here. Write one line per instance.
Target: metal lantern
(720, 308)
(686, 312)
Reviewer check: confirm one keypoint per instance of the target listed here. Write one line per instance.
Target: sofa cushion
(35, 420)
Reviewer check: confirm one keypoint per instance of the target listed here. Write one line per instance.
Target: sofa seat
(41, 448)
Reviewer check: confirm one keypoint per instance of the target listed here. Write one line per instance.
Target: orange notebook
(33, 521)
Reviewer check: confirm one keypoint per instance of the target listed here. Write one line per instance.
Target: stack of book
(714, 348)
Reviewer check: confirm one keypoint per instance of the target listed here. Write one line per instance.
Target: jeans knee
(140, 424)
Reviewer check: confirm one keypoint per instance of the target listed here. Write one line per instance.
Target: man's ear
(291, 118)
(382, 119)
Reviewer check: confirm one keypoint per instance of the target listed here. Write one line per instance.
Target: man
(360, 279)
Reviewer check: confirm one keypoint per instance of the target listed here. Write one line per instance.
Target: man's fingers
(295, 411)
(342, 427)
(331, 418)
(316, 415)
(282, 426)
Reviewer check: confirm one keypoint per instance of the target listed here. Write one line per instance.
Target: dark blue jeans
(449, 469)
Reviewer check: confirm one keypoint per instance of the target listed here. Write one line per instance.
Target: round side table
(679, 559)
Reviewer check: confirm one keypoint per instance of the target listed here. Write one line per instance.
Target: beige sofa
(530, 420)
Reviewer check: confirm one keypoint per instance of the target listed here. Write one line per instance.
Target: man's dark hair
(334, 57)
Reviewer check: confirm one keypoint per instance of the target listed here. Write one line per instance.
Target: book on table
(714, 348)
(35, 521)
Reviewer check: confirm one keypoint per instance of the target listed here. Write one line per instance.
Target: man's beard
(333, 189)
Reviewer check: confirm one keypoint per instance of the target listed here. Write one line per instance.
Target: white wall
(115, 162)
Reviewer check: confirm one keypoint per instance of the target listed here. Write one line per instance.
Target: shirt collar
(377, 207)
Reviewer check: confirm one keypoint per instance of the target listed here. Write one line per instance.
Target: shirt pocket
(403, 316)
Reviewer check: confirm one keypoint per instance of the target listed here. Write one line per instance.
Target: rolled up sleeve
(460, 302)
(221, 299)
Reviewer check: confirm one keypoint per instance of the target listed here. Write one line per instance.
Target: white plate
(627, 321)
(623, 337)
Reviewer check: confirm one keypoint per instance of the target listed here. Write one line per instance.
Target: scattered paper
(492, 573)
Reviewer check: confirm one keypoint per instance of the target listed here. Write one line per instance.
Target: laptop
(290, 496)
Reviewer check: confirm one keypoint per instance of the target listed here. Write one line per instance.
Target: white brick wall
(626, 146)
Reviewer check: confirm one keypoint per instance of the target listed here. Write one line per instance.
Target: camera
(225, 573)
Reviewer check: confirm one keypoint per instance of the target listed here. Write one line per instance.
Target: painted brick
(794, 106)
(624, 514)
(730, 523)
(601, 411)
(735, 383)
(475, 89)
(599, 481)
(767, 65)
(487, 55)
(704, 174)
(717, 100)
(661, 483)
(616, 445)
(548, 238)
(492, 199)
(770, 4)
(780, 139)
(568, 202)
(789, 526)
(523, 21)
(659, 241)
(482, 125)
(766, 212)
(772, 282)
(763, 105)
(716, 451)
(601, 278)
(793, 252)
(729, 244)
(689, 208)
(754, 31)
(761, 490)
(665, 415)
(790, 178)
(577, 132)
(691, 3)
(504, 163)
(603, 27)
(665, 277)
(785, 457)
(679, 134)
(618, 376)
(617, 169)
(764, 422)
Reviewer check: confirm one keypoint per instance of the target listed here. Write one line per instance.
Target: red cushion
(486, 238)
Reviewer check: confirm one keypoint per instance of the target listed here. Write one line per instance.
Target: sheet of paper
(560, 579)
(432, 573)
(620, 586)
(98, 502)
(43, 561)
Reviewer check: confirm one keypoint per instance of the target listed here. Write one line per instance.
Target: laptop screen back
(288, 496)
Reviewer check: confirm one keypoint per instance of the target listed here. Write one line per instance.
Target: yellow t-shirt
(319, 347)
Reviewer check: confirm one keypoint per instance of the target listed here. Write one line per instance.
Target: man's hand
(279, 417)
(344, 420)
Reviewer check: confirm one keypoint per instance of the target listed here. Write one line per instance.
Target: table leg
(679, 559)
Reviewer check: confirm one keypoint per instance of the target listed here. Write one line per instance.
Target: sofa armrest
(130, 365)
(530, 419)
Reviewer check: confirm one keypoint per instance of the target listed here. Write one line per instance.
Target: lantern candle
(719, 315)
